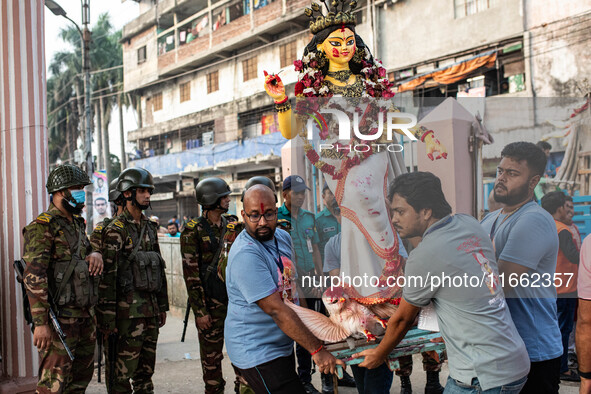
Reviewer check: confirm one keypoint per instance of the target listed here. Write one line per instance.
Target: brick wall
(167, 59)
(268, 13)
(197, 45)
(236, 27)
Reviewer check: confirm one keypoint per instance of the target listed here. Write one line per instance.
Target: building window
(185, 90)
(287, 54)
(213, 83)
(157, 102)
(470, 7)
(141, 55)
(249, 68)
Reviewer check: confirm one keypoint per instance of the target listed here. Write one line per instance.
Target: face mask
(74, 201)
(79, 196)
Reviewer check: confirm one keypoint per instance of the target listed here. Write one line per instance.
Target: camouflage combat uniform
(134, 313)
(48, 252)
(429, 364)
(96, 237)
(198, 251)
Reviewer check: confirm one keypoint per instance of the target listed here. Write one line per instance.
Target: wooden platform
(415, 341)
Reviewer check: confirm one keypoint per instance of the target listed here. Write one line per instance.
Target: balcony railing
(215, 28)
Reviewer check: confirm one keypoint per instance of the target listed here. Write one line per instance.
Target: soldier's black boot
(405, 386)
(433, 386)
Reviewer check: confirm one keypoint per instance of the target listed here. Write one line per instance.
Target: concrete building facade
(197, 67)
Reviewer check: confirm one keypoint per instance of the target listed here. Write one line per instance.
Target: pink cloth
(584, 282)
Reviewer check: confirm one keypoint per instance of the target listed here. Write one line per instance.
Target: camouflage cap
(65, 176)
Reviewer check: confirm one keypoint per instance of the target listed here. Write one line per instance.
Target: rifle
(99, 342)
(112, 358)
(186, 321)
(19, 267)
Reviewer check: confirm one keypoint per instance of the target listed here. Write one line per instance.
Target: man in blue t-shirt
(260, 328)
(526, 245)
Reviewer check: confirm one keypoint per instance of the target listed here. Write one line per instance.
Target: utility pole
(122, 132)
(86, 37)
(105, 135)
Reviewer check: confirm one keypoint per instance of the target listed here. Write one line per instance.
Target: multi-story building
(197, 67)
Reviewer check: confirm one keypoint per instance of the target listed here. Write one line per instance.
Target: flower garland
(311, 80)
(311, 84)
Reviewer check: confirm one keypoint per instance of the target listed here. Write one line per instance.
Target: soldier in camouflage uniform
(133, 297)
(61, 271)
(115, 197)
(205, 243)
(430, 365)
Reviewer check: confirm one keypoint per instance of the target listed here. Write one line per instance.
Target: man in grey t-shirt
(453, 265)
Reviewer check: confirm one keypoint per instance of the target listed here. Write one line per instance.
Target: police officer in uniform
(61, 272)
(133, 297)
(327, 223)
(115, 197)
(205, 243)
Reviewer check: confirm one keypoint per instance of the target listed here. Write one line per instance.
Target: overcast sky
(120, 13)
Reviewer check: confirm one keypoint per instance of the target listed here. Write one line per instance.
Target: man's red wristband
(317, 350)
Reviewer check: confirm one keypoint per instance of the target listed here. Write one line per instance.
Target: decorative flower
(299, 88)
(312, 155)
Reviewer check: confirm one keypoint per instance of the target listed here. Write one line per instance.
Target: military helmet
(209, 190)
(133, 178)
(114, 194)
(65, 176)
(259, 180)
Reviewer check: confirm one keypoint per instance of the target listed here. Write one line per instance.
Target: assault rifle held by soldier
(186, 321)
(19, 267)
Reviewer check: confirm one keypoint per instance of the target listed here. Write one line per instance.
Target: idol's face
(339, 46)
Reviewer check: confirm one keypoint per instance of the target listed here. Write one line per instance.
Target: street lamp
(56, 9)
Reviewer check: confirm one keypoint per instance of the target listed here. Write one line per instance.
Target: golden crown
(336, 16)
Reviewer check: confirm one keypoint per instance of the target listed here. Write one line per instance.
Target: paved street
(178, 369)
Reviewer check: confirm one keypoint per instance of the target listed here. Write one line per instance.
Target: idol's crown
(336, 16)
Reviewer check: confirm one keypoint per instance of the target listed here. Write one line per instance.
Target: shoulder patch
(43, 218)
(99, 228)
(118, 223)
(192, 223)
(230, 226)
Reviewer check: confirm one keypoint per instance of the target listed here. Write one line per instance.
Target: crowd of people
(510, 334)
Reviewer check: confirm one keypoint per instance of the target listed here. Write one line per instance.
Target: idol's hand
(433, 146)
(274, 86)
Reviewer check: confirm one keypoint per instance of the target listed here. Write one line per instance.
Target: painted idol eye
(335, 43)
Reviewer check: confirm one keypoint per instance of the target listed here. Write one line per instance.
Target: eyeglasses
(256, 217)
